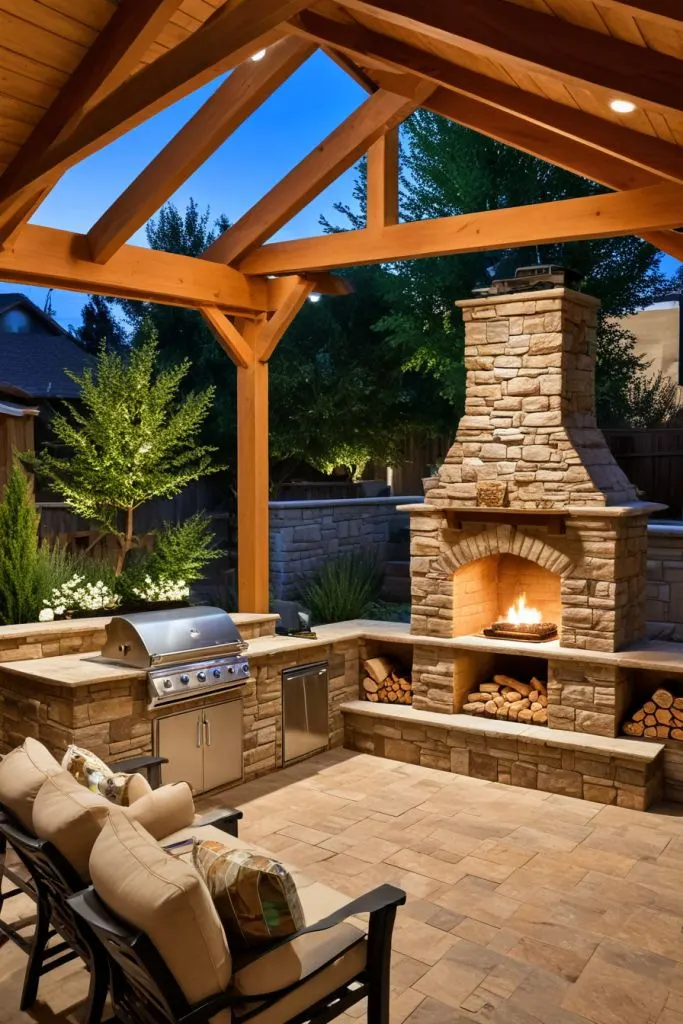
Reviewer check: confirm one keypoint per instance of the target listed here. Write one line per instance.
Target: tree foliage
(450, 170)
(130, 439)
(99, 326)
(18, 550)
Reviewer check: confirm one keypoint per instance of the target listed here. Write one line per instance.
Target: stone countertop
(72, 670)
(75, 626)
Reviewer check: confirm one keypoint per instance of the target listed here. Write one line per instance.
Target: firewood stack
(660, 717)
(385, 682)
(509, 698)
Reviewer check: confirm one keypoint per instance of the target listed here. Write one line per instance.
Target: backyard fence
(653, 461)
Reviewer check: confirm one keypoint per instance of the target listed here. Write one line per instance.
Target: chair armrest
(225, 819)
(145, 763)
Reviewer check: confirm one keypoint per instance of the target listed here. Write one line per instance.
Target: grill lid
(170, 636)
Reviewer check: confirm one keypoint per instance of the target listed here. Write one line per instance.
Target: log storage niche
(509, 698)
(386, 682)
(660, 717)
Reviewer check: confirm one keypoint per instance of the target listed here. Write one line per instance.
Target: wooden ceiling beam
(541, 43)
(232, 103)
(116, 52)
(603, 216)
(228, 38)
(381, 200)
(667, 12)
(227, 336)
(61, 259)
(339, 151)
(648, 152)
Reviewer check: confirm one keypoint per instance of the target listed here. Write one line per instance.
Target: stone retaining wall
(604, 775)
(664, 587)
(306, 534)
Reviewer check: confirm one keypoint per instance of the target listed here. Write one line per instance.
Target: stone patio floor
(522, 906)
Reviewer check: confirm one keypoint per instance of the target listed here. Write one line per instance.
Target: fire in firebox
(522, 622)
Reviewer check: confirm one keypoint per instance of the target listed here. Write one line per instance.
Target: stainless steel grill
(185, 651)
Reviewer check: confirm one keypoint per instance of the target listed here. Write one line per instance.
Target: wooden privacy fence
(653, 461)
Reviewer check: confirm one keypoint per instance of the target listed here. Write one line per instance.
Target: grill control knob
(245, 669)
(217, 673)
(201, 676)
(184, 679)
(231, 670)
(167, 684)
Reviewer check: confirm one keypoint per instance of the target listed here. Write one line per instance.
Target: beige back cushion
(22, 772)
(166, 899)
(71, 817)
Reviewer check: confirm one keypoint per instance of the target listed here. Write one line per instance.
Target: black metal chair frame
(51, 882)
(144, 991)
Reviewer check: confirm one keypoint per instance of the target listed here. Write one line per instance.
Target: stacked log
(661, 717)
(386, 683)
(509, 698)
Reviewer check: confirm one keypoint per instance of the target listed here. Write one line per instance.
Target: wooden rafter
(230, 105)
(604, 216)
(339, 151)
(225, 40)
(382, 181)
(227, 336)
(132, 28)
(667, 12)
(649, 152)
(541, 43)
(272, 330)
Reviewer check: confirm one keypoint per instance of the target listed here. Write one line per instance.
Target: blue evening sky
(279, 134)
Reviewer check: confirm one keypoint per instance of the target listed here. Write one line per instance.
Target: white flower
(46, 615)
(60, 609)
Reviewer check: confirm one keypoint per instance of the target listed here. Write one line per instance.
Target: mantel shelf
(555, 520)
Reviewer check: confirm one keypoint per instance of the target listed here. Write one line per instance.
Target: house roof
(35, 363)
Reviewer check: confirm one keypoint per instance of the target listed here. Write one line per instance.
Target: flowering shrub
(162, 589)
(77, 594)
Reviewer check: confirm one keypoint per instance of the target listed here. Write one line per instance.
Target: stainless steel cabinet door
(180, 739)
(222, 744)
(305, 715)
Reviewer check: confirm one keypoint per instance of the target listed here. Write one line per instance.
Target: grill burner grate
(535, 633)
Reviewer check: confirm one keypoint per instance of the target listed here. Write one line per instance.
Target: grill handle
(207, 731)
(199, 730)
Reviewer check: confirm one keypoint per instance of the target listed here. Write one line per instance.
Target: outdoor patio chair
(189, 977)
(51, 879)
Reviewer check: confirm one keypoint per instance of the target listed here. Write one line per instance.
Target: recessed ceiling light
(622, 106)
(314, 297)
(259, 55)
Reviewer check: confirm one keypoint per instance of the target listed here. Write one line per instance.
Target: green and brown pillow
(255, 896)
(92, 772)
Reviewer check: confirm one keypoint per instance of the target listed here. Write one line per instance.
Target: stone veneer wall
(113, 720)
(529, 759)
(529, 423)
(664, 586)
(601, 561)
(306, 534)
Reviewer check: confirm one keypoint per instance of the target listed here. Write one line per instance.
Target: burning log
(383, 683)
(508, 698)
(661, 717)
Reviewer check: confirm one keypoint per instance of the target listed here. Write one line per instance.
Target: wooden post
(382, 181)
(252, 478)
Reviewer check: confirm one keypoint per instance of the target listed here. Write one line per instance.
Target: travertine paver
(522, 907)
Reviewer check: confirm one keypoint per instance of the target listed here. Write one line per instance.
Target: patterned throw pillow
(255, 896)
(91, 771)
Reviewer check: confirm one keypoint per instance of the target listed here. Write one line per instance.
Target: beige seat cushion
(22, 772)
(164, 897)
(70, 816)
(299, 958)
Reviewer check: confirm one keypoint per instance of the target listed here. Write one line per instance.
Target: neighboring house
(34, 353)
(659, 332)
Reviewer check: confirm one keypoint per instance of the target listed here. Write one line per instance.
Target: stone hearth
(529, 501)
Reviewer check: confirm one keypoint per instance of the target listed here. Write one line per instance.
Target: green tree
(18, 550)
(99, 326)
(130, 439)
(450, 170)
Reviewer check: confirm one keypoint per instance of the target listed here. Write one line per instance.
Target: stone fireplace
(529, 500)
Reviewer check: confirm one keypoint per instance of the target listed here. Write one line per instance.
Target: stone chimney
(528, 439)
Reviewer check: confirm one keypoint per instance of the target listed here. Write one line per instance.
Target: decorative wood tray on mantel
(555, 520)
